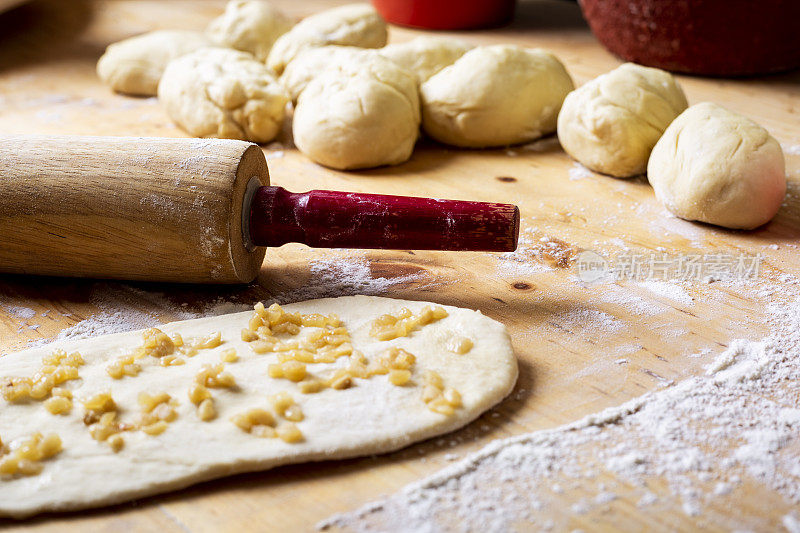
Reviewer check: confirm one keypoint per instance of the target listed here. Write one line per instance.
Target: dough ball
(495, 96)
(612, 123)
(135, 65)
(716, 166)
(250, 26)
(219, 92)
(348, 25)
(359, 114)
(426, 56)
(310, 63)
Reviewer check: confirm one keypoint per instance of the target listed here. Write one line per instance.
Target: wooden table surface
(48, 50)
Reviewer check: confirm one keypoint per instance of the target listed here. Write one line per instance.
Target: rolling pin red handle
(333, 219)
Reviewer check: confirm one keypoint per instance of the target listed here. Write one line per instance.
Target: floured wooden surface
(569, 337)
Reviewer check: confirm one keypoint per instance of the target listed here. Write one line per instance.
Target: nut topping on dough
(27, 456)
(439, 399)
(460, 345)
(166, 349)
(388, 327)
(56, 369)
(135, 429)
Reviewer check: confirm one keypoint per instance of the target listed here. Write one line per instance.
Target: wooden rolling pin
(199, 211)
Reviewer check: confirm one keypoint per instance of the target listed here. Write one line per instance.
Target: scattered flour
(705, 437)
(579, 172)
(342, 277)
(536, 253)
(793, 149)
(631, 303)
(21, 312)
(587, 322)
(123, 307)
(668, 289)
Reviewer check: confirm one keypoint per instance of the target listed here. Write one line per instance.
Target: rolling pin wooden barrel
(199, 211)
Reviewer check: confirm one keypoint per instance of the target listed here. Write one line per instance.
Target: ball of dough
(219, 92)
(426, 56)
(362, 113)
(495, 96)
(719, 167)
(135, 65)
(611, 124)
(348, 25)
(311, 63)
(250, 26)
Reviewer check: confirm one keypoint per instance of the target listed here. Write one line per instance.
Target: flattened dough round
(427, 55)
(611, 124)
(219, 92)
(135, 65)
(348, 25)
(495, 96)
(372, 416)
(719, 167)
(250, 26)
(361, 113)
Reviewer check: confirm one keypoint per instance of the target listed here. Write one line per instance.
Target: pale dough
(250, 26)
(135, 65)
(361, 113)
(311, 63)
(719, 167)
(427, 55)
(219, 92)
(348, 25)
(495, 96)
(611, 123)
(373, 416)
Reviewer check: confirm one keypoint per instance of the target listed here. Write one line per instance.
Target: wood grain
(47, 82)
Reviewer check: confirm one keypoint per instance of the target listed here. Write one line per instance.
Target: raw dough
(426, 56)
(358, 114)
(348, 25)
(611, 124)
(495, 96)
(250, 26)
(311, 63)
(716, 166)
(218, 92)
(135, 65)
(373, 416)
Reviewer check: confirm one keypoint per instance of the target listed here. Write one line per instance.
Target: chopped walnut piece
(116, 442)
(57, 368)
(291, 370)
(252, 419)
(25, 459)
(206, 410)
(399, 377)
(229, 356)
(289, 433)
(460, 345)
(438, 398)
(388, 327)
(214, 377)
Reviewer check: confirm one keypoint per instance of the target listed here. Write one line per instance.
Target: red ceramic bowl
(446, 14)
(711, 37)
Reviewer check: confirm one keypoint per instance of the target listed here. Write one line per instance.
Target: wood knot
(522, 286)
(506, 179)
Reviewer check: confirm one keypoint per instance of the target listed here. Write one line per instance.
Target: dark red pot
(711, 37)
(446, 14)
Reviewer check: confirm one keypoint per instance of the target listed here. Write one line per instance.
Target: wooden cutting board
(48, 50)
